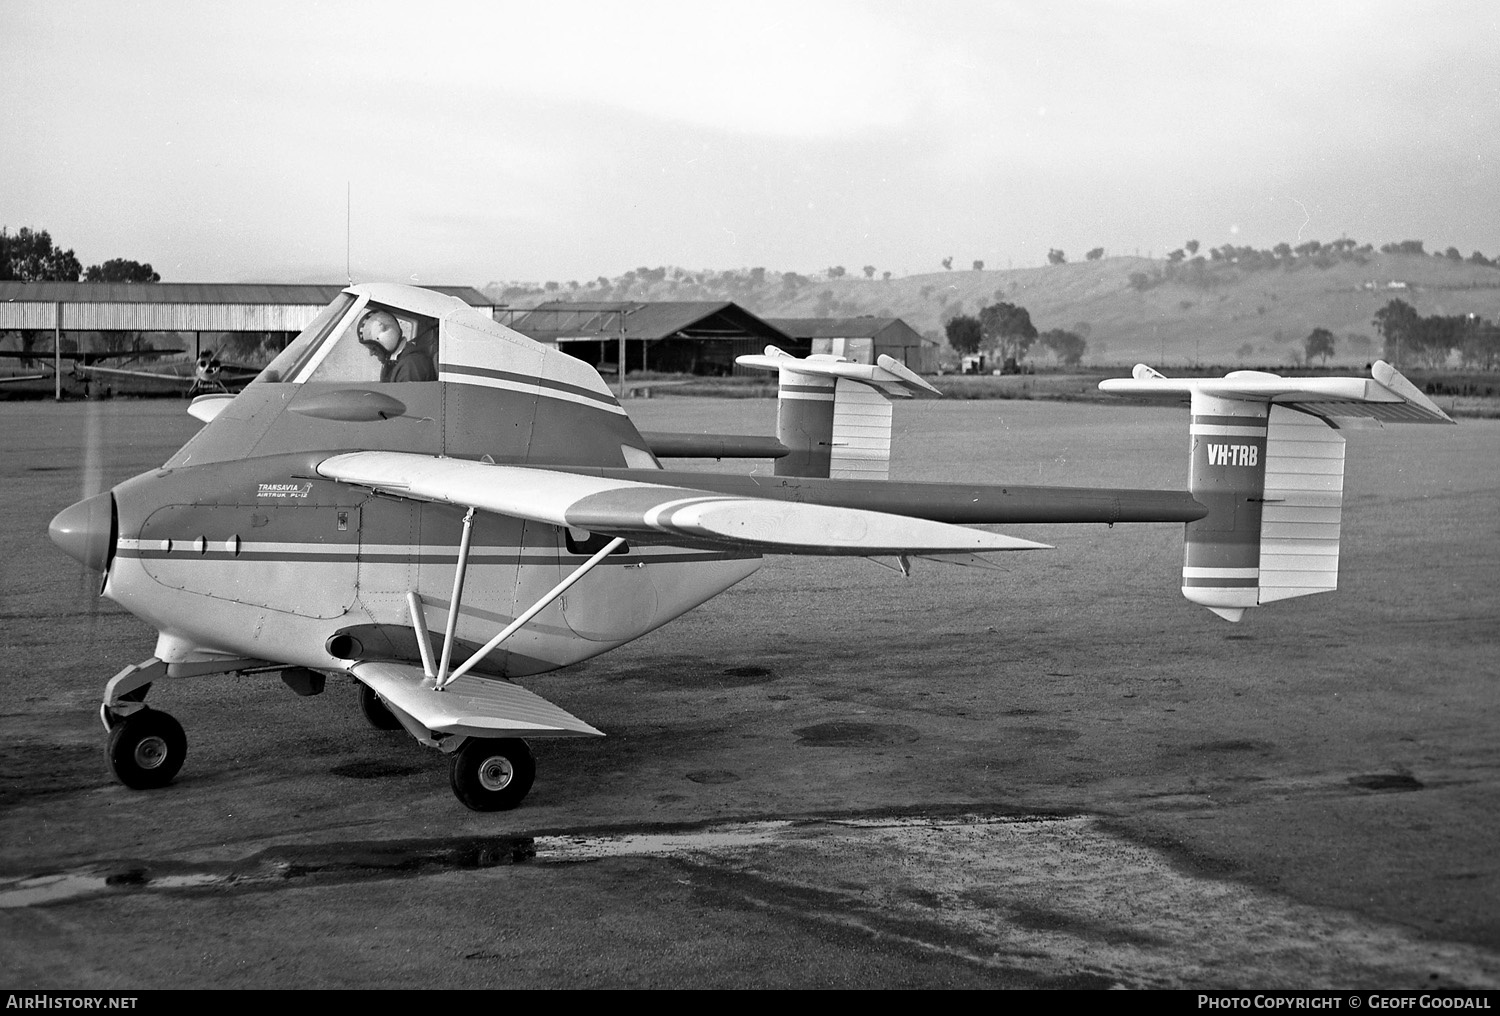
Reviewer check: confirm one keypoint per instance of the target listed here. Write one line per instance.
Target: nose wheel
(492, 774)
(146, 749)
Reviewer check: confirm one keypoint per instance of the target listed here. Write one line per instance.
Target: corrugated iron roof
(669, 319)
(196, 292)
(845, 328)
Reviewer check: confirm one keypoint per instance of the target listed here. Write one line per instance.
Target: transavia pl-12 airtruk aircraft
(438, 538)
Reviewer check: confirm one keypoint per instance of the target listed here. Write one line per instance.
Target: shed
(862, 339)
(671, 337)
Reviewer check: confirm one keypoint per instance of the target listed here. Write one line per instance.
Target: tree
(1067, 346)
(869, 271)
(1192, 246)
(120, 270)
(1176, 255)
(1319, 343)
(1095, 254)
(948, 263)
(964, 334)
(979, 266)
(886, 276)
(1009, 327)
(1481, 344)
(836, 272)
(1404, 247)
(1056, 257)
(1399, 324)
(28, 256)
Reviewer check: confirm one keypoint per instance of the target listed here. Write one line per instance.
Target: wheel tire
(375, 711)
(146, 749)
(492, 774)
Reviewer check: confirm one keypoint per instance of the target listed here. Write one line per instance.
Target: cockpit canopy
(360, 338)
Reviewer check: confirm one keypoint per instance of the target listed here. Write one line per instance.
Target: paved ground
(1061, 775)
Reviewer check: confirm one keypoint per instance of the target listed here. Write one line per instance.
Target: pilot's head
(380, 331)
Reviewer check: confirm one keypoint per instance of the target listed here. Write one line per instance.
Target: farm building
(862, 339)
(669, 337)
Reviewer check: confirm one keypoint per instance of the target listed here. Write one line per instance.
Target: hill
(1128, 308)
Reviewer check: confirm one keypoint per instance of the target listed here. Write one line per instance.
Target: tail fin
(1268, 462)
(835, 415)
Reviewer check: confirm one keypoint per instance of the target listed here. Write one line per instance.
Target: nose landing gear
(146, 749)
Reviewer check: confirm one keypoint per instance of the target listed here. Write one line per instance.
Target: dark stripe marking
(529, 379)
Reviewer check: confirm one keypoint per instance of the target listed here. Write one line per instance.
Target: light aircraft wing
(470, 706)
(126, 372)
(669, 514)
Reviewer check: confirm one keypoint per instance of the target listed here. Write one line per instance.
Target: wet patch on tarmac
(1386, 782)
(712, 776)
(1035, 900)
(374, 769)
(744, 677)
(689, 672)
(846, 734)
(1240, 746)
(272, 868)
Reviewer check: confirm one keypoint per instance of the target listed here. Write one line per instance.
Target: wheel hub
(151, 752)
(496, 773)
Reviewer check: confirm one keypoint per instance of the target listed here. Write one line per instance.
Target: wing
(124, 372)
(669, 514)
(471, 706)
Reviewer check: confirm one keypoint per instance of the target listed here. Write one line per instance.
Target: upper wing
(679, 514)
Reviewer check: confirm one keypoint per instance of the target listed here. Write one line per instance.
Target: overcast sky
(537, 141)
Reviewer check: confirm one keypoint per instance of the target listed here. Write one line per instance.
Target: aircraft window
(381, 344)
(290, 361)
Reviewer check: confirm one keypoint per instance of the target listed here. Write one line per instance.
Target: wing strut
(515, 626)
(458, 591)
(424, 637)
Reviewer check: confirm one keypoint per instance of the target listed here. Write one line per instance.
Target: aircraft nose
(85, 531)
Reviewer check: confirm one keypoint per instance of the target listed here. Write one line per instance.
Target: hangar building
(670, 337)
(862, 339)
(182, 307)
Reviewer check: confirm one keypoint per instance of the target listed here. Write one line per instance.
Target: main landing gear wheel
(492, 774)
(146, 749)
(375, 711)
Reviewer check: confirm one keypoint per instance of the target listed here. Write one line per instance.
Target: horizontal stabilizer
(833, 415)
(1386, 395)
(471, 706)
(888, 374)
(665, 514)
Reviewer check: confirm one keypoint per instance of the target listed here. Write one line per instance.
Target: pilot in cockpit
(401, 359)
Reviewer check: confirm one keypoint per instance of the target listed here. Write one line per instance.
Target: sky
(458, 143)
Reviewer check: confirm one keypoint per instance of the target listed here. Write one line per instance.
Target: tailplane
(1267, 460)
(834, 415)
